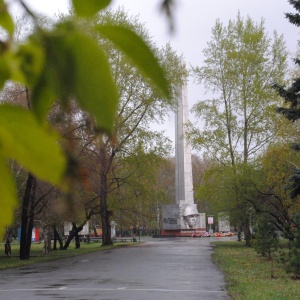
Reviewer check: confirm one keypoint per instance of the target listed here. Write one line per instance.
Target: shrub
(293, 256)
(266, 238)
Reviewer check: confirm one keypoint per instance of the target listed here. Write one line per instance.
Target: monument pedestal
(174, 224)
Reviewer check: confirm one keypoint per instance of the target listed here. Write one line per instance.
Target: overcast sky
(194, 20)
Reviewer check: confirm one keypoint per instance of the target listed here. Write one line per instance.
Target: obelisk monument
(183, 160)
(182, 218)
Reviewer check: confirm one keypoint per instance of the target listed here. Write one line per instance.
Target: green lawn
(248, 275)
(36, 253)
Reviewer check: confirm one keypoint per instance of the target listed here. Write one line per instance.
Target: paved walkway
(178, 268)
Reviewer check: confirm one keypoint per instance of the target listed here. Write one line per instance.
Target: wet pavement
(175, 268)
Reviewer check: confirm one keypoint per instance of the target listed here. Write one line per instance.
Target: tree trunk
(95, 230)
(247, 232)
(54, 241)
(68, 241)
(105, 220)
(47, 240)
(77, 240)
(57, 238)
(31, 217)
(27, 217)
(105, 214)
(73, 233)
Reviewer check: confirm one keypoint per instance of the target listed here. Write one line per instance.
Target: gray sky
(194, 20)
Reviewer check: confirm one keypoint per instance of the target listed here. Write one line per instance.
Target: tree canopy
(239, 119)
(58, 64)
(241, 62)
(291, 106)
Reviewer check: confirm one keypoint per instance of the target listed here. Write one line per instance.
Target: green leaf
(5, 20)
(76, 66)
(4, 70)
(88, 8)
(94, 86)
(55, 81)
(31, 57)
(138, 51)
(8, 195)
(42, 98)
(34, 146)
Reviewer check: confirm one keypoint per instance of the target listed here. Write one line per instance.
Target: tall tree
(291, 108)
(141, 190)
(141, 104)
(241, 62)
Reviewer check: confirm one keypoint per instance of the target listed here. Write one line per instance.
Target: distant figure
(47, 241)
(7, 248)
(190, 215)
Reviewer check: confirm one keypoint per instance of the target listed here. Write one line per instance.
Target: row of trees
(101, 93)
(245, 139)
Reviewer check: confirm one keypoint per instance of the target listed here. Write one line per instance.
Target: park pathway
(159, 269)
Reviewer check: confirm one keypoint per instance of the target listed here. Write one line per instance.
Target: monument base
(174, 224)
(184, 232)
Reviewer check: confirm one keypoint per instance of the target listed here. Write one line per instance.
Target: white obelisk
(183, 177)
(182, 218)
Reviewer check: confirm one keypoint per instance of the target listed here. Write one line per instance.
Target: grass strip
(37, 256)
(249, 275)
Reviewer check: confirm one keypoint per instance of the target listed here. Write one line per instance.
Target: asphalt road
(178, 268)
